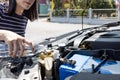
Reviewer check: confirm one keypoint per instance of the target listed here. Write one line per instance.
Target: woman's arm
(15, 42)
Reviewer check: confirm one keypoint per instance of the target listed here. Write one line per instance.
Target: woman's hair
(31, 13)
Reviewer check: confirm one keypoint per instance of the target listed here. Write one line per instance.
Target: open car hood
(104, 40)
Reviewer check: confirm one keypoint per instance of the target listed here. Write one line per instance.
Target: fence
(88, 16)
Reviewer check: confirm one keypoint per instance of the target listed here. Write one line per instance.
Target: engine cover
(104, 40)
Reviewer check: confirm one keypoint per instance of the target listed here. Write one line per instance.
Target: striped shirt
(15, 23)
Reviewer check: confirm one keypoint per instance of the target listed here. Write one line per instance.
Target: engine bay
(93, 50)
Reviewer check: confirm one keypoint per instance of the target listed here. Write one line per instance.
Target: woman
(13, 21)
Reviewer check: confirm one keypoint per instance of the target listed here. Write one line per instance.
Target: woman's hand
(16, 43)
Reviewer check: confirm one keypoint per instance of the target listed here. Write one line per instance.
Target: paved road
(41, 29)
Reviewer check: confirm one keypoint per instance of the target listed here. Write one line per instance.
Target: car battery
(66, 70)
(109, 67)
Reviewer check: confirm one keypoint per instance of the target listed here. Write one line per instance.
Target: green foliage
(59, 13)
(83, 4)
(79, 13)
(95, 4)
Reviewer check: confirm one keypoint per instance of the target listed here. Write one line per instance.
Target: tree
(94, 3)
